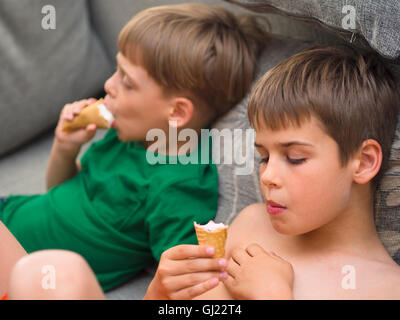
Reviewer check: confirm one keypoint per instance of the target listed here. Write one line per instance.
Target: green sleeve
(171, 215)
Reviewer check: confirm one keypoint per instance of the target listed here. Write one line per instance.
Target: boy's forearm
(62, 165)
(151, 293)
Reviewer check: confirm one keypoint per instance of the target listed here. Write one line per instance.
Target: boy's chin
(289, 230)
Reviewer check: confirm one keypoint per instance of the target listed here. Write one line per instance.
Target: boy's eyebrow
(286, 144)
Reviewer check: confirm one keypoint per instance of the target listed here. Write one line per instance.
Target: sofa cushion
(376, 20)
(44, 68)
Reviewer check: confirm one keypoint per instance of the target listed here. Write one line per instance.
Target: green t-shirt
(119, 212)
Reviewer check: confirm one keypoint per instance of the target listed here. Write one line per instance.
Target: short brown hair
(203, 51)
(353, 95)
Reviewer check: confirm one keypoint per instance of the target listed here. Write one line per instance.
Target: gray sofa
(45, 68)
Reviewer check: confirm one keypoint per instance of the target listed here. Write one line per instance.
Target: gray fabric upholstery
(135, 289)
(44, 69)
(376, 20)
(24, 171)
(387, 202)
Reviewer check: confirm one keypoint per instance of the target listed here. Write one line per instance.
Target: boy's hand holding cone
(78, 124)
(95, 113)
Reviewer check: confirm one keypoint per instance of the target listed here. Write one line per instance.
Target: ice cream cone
(215, 238)
(88, 115)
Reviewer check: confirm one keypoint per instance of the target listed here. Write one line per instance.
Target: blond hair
(204, 52)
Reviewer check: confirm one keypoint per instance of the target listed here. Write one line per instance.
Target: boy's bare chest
(339, 280)
(335, 277)
(343, 278)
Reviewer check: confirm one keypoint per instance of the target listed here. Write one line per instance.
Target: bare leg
(10, 252)
(53, 274)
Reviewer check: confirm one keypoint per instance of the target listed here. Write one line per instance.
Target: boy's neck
(352, 231)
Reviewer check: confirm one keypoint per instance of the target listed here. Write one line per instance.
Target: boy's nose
(109, 87)
(269, 176)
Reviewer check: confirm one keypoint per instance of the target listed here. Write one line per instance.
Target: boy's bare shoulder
(252, 224)
(375, 279)
(256, 210)
(250, 219)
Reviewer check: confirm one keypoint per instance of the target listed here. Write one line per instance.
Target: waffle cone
(215, 238)
(88, 115)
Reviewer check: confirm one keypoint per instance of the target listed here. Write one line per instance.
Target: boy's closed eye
(125, 83)
(290, 160)
(288, 149)
(125, 80)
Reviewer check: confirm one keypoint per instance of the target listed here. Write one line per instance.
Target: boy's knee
(53, 274)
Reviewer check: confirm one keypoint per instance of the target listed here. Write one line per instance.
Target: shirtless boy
(324, 120)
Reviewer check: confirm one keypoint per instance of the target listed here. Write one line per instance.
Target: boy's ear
(181, 111)
(369, 160)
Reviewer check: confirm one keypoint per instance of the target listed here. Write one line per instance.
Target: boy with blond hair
(185, 65)
(324, 120)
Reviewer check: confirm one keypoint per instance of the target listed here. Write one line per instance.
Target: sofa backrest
(50, 56)
(364, 22)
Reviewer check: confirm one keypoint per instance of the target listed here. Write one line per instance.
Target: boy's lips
(274, 208)
(106, 103)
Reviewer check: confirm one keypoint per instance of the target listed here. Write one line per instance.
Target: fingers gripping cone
(213, 234)
(94, 113)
